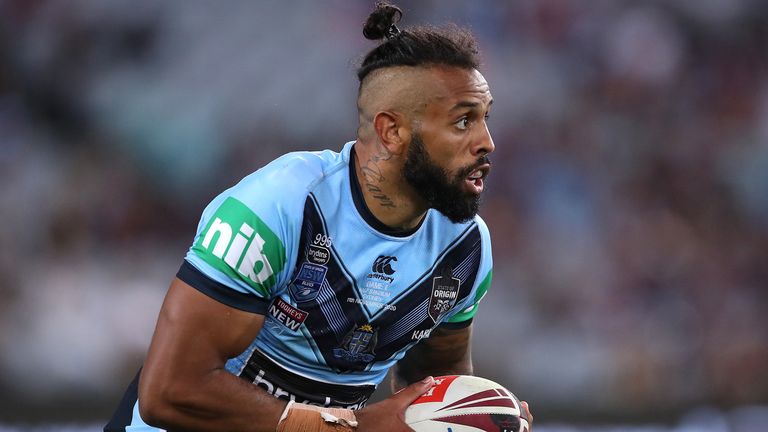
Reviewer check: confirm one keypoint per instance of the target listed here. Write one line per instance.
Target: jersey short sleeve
(464, 314)
(246, 235)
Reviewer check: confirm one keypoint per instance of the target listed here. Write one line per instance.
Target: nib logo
(383, 264)
(236, 249)
(239, 244)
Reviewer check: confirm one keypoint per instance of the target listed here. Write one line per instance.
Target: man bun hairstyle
(381, 23)
(448, 45)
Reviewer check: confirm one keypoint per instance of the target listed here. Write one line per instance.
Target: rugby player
(313, 276)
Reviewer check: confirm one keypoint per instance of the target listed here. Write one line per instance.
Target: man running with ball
(312, 277)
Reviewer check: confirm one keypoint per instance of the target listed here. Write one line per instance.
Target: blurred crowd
(628, 202)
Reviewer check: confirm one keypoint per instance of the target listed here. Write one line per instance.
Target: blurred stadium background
(628, 205)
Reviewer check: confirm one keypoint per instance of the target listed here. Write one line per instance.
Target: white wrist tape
(310, 418)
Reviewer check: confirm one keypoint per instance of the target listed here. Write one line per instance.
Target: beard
(441, 191)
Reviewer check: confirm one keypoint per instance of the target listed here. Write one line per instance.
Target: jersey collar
(365, 212)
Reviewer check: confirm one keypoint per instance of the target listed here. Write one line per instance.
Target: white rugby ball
(462, 403)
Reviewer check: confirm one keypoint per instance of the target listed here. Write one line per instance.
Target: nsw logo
(306, 285)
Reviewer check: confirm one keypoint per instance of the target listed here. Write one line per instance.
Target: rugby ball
(462, 403)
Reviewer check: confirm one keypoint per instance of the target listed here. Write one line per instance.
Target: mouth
(475, 180)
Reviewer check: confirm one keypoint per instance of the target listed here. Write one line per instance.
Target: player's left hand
(527, 414)
(389, 414)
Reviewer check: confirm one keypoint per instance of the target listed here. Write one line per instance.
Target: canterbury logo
(383, 264)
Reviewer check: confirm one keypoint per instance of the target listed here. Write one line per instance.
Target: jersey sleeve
(463, 314)
(247, 235)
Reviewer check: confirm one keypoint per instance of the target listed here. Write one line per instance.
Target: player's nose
(484, 143)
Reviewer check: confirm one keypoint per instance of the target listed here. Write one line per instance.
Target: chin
(461, 213)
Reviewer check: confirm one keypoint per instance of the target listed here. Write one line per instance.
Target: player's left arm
(447, 349)
(445, 352)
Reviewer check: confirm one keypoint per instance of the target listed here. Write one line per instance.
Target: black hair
(448, 45)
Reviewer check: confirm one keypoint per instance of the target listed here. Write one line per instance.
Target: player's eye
(463, 123)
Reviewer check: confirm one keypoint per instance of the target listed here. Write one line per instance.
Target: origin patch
(445, 291)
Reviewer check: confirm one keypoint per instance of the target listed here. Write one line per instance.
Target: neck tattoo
(374, 177)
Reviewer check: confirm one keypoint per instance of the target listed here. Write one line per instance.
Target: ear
(393, 131)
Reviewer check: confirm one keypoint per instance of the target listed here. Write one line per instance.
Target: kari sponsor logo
(421, 334)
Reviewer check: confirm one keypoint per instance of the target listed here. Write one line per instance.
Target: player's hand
(389, 414)
(527, 414)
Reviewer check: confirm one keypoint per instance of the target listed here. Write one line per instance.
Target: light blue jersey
(344, 296)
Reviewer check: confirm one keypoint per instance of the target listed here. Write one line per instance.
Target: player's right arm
(184, 384)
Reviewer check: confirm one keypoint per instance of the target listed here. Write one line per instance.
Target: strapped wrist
(311, 418)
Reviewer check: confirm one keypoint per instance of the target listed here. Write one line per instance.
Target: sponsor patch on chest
(318, 255)
(287, 315)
